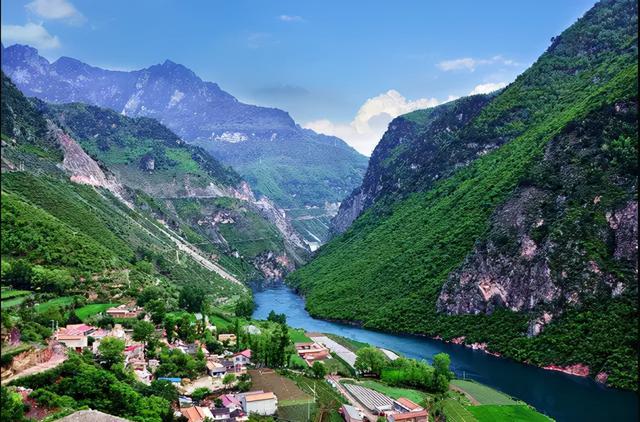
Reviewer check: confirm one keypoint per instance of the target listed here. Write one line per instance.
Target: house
(91, 416)
(419, 416)
(75, 336)
(242, 358)
(232, 368)
(184, 401)
(351, 414)
(143, 375)
(196, 413)
(239, 416)
(312, 351)
(259, 402)
(124, 311)
(229, 338)
(216, 369)
(404, 405)
(221, 414)
(231, 402)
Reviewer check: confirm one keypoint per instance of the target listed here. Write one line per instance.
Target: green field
(93, 309)
(513, 413)
(59, 301)
(455, 412)
(298, 336)
(10, 293)
(395, 392)
(484, 394)
(12, 302)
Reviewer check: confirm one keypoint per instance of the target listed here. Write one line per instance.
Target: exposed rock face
(415, 152)
(538, 256)
(273, 266)
(81, 166)
(503, 274)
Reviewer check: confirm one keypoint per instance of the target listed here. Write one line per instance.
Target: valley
(171, 252)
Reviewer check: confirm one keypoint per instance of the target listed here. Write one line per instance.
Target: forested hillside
(520, 241)
(97, 238)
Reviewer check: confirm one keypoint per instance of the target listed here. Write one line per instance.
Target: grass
(93, 309)
(12, 302)
(455, 412)
(484, 394)
(10, 293)
(59, 301)
(219, 321)
(395, 392)
(298, 336)
(336, 366)
(513, 413)
(350, 344)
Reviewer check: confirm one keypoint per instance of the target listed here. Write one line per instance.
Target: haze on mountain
(296, 168)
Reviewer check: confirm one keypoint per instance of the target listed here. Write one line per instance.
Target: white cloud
(258, 39)
(470, 64)
(372, 119)
(487, 88)
(291, 18)
(55, 9)
(32, 34)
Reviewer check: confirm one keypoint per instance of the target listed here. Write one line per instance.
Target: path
(344, 353)
(59, 355)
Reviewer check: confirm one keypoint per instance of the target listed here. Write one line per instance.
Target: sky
(343, 68)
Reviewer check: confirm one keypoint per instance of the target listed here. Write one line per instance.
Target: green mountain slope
(92, 232)
(388, 269)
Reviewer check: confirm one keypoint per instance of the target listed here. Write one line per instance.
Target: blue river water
(561, 396)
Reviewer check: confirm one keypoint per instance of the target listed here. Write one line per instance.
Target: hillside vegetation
(565, 126)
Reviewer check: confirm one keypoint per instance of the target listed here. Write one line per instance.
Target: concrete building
(196, 413)
(75, 336)
(259, 402)
(351, 414)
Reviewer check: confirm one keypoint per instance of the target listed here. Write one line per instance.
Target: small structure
(231, 402)
(221, 414)
(196, 413)
(252, 329)
(421, 416)
(242, 358)
(75, 336)
(124, 311)
(405, 410)
(229, 338)
(351, 414)
(312, 351)
(216, 369)
(259, 402)
(405, 405)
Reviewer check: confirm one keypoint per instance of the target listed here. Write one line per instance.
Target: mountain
(506, 222)
(296, 168)
(100, 195)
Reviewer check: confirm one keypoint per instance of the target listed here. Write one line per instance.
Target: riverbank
(561, 396)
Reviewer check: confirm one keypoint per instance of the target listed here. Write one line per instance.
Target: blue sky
(340, 67)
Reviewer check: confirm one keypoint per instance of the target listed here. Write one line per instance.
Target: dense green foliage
(80, 382)
(400, 253)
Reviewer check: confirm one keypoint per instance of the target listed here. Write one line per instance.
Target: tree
(318, 369)
(149, 294)
(278, 318)
(12, 408)
(192, 297)
(200, 393)
(143, 331)
(51, 280)
(18, 275)
(228, 379)
(370, 360)
(245, 307)
(442, 374)
(157, 309)
(111, 351)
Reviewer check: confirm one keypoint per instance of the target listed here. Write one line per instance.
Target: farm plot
(93, 309)
(285, 389)
(455, 412)
(483, 394)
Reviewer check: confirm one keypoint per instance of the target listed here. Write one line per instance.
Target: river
(561, 396)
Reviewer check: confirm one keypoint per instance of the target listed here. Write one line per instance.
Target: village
(216, 374)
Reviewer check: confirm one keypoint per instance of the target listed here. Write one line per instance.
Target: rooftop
(405, 402)
(260, 396)
(409, 415)
(91, 416)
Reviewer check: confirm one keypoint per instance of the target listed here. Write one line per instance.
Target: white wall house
(259, 402)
